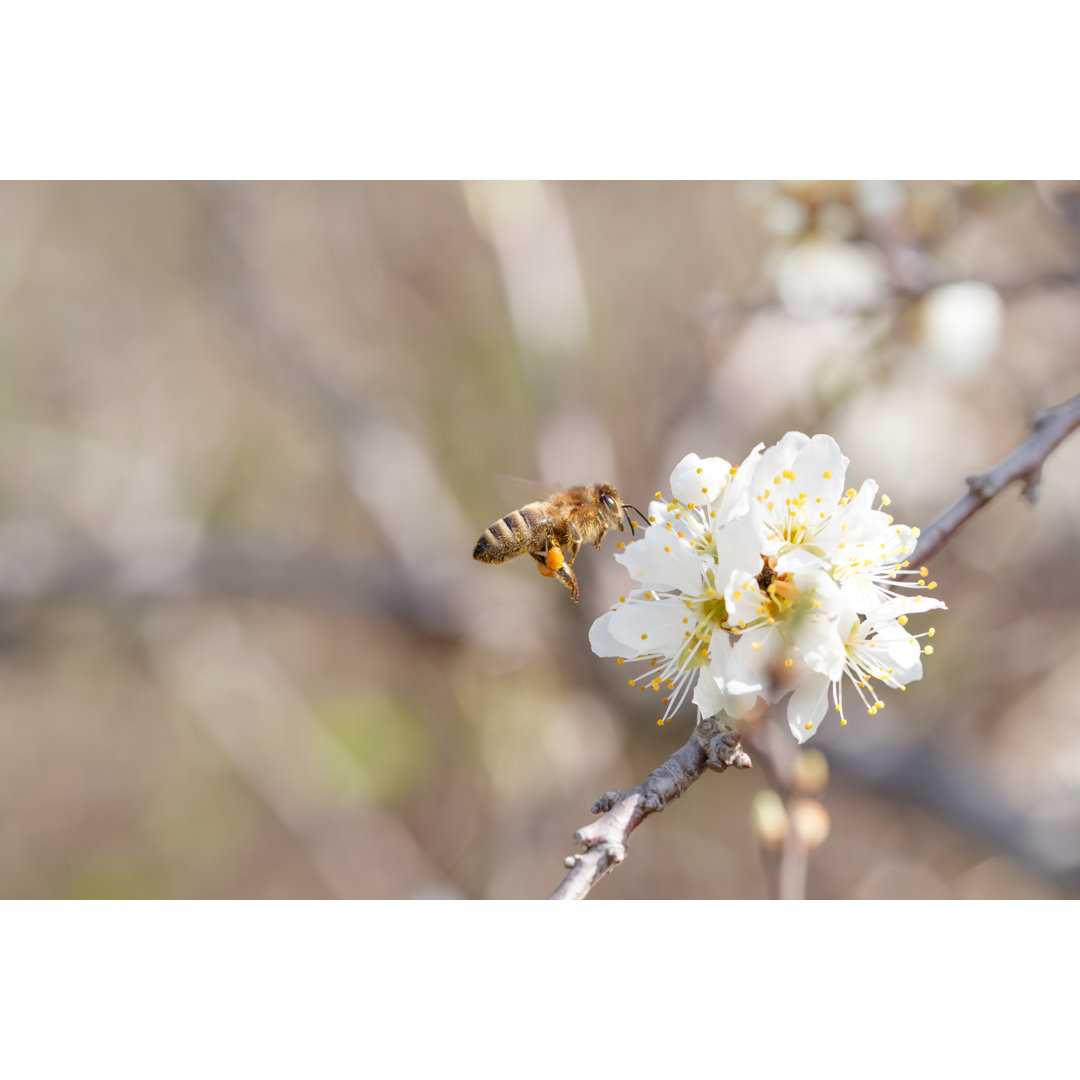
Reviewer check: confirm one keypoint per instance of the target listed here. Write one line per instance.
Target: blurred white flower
(767, 579)
(820, 278)
(960, 326)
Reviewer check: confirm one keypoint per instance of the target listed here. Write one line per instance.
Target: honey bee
(553, 530)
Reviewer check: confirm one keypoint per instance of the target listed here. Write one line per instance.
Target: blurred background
(250, 433)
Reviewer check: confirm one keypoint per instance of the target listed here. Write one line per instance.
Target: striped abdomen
(521, 530)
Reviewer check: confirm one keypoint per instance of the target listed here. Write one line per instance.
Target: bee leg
(555, 564)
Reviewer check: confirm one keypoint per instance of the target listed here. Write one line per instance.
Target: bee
(553, 530)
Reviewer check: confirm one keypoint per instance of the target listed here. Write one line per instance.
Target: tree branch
(713, 746)
(1025, 463)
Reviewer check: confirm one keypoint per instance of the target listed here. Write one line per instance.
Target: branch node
(722, 746)
(608, 801)
(980, 486)
(1031, 485)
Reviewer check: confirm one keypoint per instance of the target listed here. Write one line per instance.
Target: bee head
(609, 505)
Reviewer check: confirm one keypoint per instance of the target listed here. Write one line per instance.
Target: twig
(1025, 463)
(712, 746)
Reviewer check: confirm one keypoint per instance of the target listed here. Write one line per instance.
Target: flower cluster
(766, 579)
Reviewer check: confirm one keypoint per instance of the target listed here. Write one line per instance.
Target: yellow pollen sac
(622, 544)
(928, 650)
(851, 493)
(658, 495)
(651, 518)
(700, 471)
(916, 532)
(631, 682)
(755, 644)
(924, 571)
(809, 726)
(843, 722)
(886, 501)
(826, 475)
(932, 585)
(622, 599)
(733, 470)
(931, 632)
(644, 636)
(620, 660)
(788, 662)
(666, 548)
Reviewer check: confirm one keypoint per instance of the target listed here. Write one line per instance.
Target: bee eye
(608, 500)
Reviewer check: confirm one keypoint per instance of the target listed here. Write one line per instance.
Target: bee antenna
(629, 520)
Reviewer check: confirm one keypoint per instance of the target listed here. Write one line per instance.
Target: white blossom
(768, 579)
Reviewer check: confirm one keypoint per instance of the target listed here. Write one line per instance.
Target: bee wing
(517, 491)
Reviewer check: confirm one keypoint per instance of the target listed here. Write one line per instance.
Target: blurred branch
(1025, 463)
(238, 568)
(712, 746)
(958, 790)
(386, 464)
